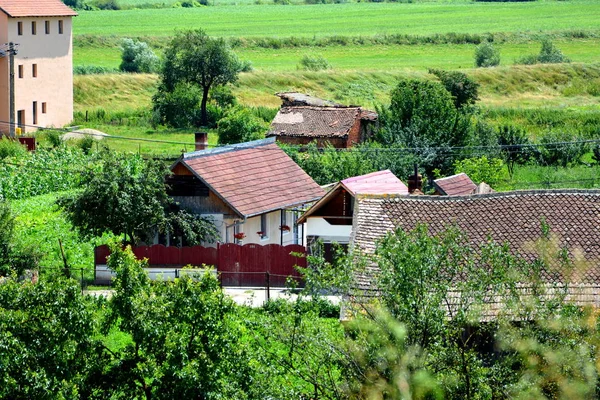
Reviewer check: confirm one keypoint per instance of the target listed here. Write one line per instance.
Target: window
(21, 120)
(60, 26)
(47, 26)
(264, 228)
(34, 70)
(21, 71)
(285, 228)
(20, 28)
(44, 108)
(33, 28)
(35, 113)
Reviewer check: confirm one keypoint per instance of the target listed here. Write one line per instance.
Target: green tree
(463, 89)
(126, 195)
(513, 142)
(486, 55)
(482, 169)
(137, 56)
(422, 118)
(240, 125)
(194, 57)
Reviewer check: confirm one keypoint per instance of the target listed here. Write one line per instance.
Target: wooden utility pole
(12, 52)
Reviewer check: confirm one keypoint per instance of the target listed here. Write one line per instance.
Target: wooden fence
(237, 265)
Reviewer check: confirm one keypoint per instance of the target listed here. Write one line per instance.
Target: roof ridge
(512, 193)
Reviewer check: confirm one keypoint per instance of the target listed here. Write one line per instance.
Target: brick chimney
(415, 182)
(201, 139)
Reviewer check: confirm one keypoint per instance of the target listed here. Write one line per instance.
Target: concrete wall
(52, 55)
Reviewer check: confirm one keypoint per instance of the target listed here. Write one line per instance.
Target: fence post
(268, 284)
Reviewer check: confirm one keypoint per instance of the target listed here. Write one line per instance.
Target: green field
(345, 19)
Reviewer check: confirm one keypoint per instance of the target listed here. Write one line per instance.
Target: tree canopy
(193, 57)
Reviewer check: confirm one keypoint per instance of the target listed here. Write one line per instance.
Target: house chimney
(201, 139)
(415, 182)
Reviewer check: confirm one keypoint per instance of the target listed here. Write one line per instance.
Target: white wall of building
(317, 226)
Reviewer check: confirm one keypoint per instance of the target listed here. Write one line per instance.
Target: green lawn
(345, 19)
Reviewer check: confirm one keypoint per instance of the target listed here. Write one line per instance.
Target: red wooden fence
(238, 265)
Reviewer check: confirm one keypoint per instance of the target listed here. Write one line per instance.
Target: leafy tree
(137, 56)
(7, 225)
(463, 89)
(549, 54)
(240, 125)
(513, 142)
(126, 195)
(178, 107)
(482, 169)
(486, 55)
(192, 57)
(422, 117)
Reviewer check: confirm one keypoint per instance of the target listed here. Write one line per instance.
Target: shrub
(240, 125)
(462, 88)
(92, 70)
(557, 152)
(313, 63)
(107, 5)
(482, 169)
(282, 2)
(137, 56)
(11, 148)
(486, 55)
(549, 54)
(179, 108)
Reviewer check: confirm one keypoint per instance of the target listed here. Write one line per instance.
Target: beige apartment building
(43, 65)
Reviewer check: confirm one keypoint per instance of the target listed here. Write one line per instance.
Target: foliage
(123, 195)
(93, 70)
(561, 148)
(179, 107)
(184, 338)
(45, 171)
(240, 125)
(194, 229)
(463, 89)
(194, 58)
(313, 63)
(11, 148)
(513, 142)
(482, 169)
(486, 55)
(47, 341)
(137, 56)
(7, 226)
(549, 54)
(422, 117)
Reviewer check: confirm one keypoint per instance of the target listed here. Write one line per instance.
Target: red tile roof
(512, 217)
(254, 177)
(315, 122)
(36, 8)
(455, 185)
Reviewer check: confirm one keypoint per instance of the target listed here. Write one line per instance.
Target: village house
(253, 191)
(329, 220)
(303, 119)
(515, 218)
(43, 66)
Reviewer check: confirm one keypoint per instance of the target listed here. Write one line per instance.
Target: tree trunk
(203, 114)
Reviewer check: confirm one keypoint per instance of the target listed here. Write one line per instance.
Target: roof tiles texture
(380, 182)
(511, 217)
(456, 185)
(36, 8)
(317, 122)
(254, 179)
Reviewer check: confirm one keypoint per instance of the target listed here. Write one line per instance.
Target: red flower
(239, 236)
(284, 228)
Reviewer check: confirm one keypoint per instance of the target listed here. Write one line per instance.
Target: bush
(556, 152)
(462, 88)
(482, 169)
(240, 125)
(92, 70)
(11, 148)
(486, 55)
(549, 54)
(179, 108)
(313, 63)
(106, 5)
(137, 56)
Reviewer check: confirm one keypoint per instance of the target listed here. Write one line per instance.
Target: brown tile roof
(317, 122)
(254, 177)
(455, 185)
(512, 217)
(36, 8)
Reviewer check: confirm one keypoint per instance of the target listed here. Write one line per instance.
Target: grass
(345, 19)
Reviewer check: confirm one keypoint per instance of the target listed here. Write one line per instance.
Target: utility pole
(12, 52)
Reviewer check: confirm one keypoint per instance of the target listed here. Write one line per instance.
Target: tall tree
(193, 57)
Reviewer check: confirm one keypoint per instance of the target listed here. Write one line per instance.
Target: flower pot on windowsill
(239, 237)
(284, 228)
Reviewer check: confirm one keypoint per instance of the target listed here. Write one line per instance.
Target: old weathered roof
(253, 177)
(380, 182)
(35, 8)
(455, 185)
(512, 217)
(315, 122)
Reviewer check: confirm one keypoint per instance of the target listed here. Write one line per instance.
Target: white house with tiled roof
(43, 65)
(251, 189)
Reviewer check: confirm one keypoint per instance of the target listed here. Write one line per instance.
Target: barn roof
(36, 8)
(314, 122)
(455, 185)
(253, 177)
